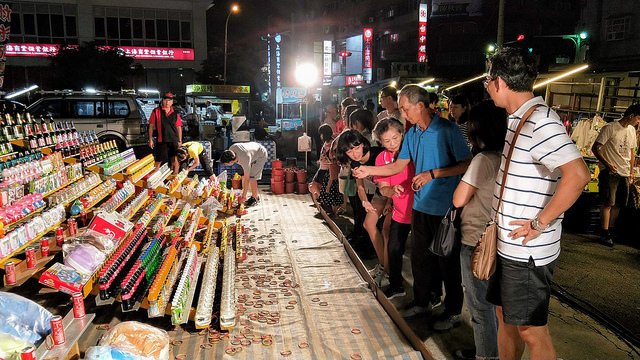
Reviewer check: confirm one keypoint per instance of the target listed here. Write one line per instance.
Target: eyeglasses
(168, 98)
(488, 79)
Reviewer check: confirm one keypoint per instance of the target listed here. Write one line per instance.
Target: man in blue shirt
(441, 155)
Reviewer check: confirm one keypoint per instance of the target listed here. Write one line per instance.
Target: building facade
(167, 38)
(613, 25)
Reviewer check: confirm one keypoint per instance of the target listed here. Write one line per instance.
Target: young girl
(355, 149)
(324, 186)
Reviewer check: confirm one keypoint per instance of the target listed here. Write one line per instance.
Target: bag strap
(524, 118)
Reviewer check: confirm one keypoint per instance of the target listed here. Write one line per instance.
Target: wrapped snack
(23, 318)
(85, 258)
(139, 339)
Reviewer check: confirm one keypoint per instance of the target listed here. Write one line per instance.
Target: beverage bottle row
(92, 151)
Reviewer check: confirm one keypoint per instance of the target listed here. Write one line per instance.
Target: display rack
(158, 283)
(73, 330)
(28, 243)
(11, 226)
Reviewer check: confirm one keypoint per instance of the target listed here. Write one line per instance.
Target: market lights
(561, 76)
(21, 92)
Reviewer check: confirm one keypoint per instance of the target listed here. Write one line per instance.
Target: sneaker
(465, 354)
(251, 202)
(447, 323)
(413, 311)
(607, 240)
(375, 271)
(394, 292)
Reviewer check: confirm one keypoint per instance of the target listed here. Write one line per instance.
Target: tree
(89, 65)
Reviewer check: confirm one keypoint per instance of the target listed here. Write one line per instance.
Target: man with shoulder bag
(545, 176)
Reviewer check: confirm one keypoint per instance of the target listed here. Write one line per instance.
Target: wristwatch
(537, 226)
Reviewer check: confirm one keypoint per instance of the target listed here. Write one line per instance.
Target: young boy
(251, 156)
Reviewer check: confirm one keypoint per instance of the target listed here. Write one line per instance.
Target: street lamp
(234, 9)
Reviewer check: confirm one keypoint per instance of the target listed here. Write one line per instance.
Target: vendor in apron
(165, 124)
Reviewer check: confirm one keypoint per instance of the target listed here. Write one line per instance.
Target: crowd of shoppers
(437, 164)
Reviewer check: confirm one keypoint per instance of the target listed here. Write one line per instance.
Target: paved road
(607, 279)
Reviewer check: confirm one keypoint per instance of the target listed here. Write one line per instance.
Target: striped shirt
(541, 148)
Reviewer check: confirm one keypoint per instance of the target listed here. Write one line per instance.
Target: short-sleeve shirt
(395, 113)
(248, 153)
(617, 144)
(369, 183)
(481, 174)
(156, 119)
(440, 145)
(542, 147)
(194, 148)
(401, 203)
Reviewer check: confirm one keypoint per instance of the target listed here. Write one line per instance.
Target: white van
(113, 116)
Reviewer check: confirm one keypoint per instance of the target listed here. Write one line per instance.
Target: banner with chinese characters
(136, 52)
(353, 80)
(422, 33)
(367, 54)
(5, 31)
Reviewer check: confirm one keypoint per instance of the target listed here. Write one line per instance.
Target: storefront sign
(5, 31)
(367, 54)
(136, 52)
(327, 59)
(278, 39)
(218, 89)
(354, 80)
(291, 95)
(422, 33)
(456, 8)
(269, 64)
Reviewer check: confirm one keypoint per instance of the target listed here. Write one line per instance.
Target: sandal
(340, 210)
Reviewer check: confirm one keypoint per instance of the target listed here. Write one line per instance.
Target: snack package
(139, 339)
(10, 346)
(23, 318)
(111, 353)
(84, 257)
(64, 278)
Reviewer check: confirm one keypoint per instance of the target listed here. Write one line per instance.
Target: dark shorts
(523, 291)
(164, 152)
(614, 189)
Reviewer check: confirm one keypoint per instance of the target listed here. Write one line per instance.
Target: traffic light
(520, 37)
(344, 54)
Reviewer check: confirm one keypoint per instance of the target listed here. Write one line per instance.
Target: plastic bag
(210, 205)
(10, 346)
(139, 339)
(100, 241)
(222, 179)
(111, 353)
(84, 258)
(23, 318)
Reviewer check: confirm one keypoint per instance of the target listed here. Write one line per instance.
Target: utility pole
(500, 39)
